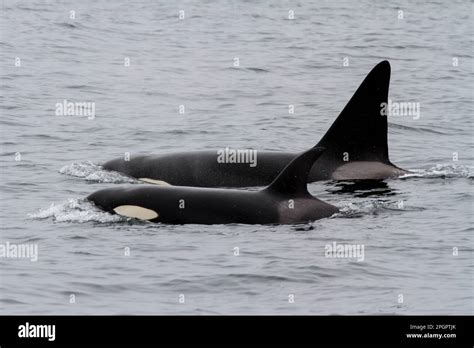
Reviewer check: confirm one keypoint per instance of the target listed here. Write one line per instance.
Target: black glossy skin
(215, 206)
(356, 149)
(285, 201)
(201, 169)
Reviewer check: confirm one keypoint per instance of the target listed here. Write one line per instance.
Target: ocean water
(417, 231)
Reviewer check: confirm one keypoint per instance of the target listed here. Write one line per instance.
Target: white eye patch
(135, 211)
(155, 182)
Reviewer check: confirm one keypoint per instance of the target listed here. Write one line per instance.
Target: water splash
(76, 210)
(442, 171)
(360, 209)
(93, 172)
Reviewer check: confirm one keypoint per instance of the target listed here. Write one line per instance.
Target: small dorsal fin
(294, 177)
(360, 130)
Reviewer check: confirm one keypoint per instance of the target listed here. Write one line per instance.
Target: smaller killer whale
(356, 149)
(285, 201)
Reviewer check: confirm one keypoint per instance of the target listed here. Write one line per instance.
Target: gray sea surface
(417, 231)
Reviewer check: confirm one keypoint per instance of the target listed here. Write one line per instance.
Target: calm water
(408, 226)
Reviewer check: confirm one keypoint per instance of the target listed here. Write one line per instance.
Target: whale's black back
(182, 205)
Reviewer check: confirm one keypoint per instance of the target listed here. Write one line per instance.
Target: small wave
(250, 69)
(259, 277)
(441, 171)
(11, 301)
(76, 210)
(84, 253)
(39, 9)
(93, 172)
(76, 237)
(257, 70)
(68, 25)
(414, 129)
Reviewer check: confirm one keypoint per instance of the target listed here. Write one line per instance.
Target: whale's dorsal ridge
(293, 179)
(360, 130)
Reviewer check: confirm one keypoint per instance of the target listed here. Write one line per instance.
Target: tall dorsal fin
(360, 130)
(294, 177)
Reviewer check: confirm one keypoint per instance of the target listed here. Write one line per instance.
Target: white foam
(442, 171)
(93, 172)
(75, 210)
(357, 209)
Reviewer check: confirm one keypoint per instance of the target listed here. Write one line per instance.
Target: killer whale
(285, 201)
(356, 149)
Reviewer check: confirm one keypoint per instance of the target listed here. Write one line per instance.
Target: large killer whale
(285, 201)
(356, 149)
